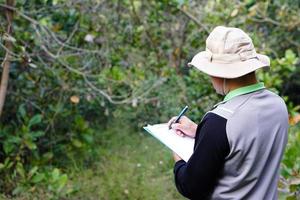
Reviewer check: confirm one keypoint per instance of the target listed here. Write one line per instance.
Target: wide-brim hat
(229, 53)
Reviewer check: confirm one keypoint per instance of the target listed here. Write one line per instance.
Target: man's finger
(180, 133)
(171, 121)
(177, 126)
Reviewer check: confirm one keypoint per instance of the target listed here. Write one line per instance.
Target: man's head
(230, 58)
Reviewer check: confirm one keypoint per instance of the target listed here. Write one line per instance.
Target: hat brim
(229, 70)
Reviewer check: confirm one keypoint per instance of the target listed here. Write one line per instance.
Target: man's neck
(246, 80)
(233, 86)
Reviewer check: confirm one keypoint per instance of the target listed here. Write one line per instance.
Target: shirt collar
(244, 90)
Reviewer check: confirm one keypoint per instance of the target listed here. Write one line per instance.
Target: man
(240, 142)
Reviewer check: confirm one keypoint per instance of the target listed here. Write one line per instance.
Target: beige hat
(229, 53)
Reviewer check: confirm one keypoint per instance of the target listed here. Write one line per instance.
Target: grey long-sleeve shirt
(238, 149)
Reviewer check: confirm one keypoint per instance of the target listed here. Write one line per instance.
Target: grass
(132, 165)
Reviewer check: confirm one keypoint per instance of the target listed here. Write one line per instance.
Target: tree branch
(193, 18)
(7, 60)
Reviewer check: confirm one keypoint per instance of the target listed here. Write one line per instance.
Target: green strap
(244, 90)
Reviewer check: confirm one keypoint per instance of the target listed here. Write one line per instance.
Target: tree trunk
(7, 60)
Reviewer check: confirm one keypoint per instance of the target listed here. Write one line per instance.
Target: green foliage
(290, 181)
(28, 154)
(53, 180)
(132, 166)
(79, 65)
(279, 75)
(281, 71)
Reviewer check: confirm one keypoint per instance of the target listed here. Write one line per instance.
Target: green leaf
(8, 147)
(35, 120)
(18, 190)
(22, 111)
(77, 143)
(55, 174)
(48, 156)
(8, 163)
(20, 169)
(32, 65)
(88, 138)
(38, 178)
(30, 144)
(45, 21)
(62, 182)
(290, 55)
(37, 134)
(117, 73)
(2, 166)
(32, 171)
(14, 139)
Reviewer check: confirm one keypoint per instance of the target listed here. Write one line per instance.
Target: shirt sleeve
(196, 178)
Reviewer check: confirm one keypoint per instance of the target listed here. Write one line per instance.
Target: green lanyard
(244, 90)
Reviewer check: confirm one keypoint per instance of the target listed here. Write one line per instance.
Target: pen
(179, 116)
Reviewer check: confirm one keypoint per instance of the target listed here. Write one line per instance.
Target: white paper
(183, 146)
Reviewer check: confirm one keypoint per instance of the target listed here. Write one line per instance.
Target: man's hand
(176, 157)
(185, 127)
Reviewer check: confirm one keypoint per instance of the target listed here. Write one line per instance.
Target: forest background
(81, 77)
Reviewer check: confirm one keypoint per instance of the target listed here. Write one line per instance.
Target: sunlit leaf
(9, 38)
(74, 99)
(32, 65)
